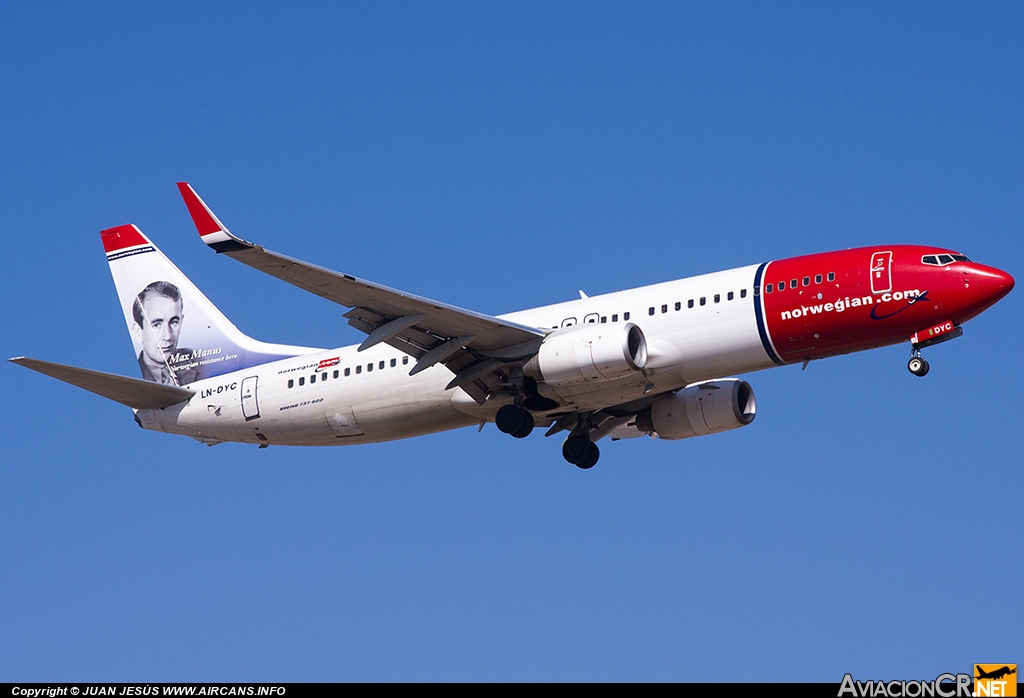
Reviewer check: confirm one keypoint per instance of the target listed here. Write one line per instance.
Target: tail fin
(179, 336)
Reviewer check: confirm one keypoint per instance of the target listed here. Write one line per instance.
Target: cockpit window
(941, 260)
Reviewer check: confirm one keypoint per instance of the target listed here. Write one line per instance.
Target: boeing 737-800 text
(646, 361)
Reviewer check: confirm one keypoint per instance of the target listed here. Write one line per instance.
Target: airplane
(995, 674)
(656, 360)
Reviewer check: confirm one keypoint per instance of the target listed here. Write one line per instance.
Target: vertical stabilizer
(178, 335)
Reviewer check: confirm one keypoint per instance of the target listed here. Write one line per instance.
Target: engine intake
(697, 410)
(588, 354)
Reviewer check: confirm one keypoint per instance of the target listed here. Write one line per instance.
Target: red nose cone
(989, 285)
(995, 283)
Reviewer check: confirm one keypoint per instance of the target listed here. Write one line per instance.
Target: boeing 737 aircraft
(647, 361)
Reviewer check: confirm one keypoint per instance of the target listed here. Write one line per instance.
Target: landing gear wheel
(523, 431)
(592, 457)
(581, 452)
(510, 419)
(918, 366)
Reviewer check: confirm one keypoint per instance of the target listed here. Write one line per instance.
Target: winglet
(211, 230)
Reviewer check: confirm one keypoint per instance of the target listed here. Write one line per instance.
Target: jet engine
(700, 409)
(589, 353)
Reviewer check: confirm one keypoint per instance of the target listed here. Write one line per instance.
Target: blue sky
(500, 157)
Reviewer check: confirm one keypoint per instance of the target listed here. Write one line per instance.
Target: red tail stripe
(122, 236)
(204, 222)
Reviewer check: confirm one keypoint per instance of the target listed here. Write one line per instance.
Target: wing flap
(132, 392)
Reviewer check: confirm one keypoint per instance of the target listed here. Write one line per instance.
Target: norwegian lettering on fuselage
(842, 304)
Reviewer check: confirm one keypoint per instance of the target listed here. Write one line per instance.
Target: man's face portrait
(160, 329)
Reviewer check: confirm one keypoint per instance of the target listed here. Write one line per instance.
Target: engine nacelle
(697, 410)
(588, 354)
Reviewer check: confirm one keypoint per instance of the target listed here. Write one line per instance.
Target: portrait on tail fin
(158, 314)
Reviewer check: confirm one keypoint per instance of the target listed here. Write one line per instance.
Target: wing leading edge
(474, 346)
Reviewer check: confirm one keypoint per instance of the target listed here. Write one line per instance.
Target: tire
(576, 449)
(523, 431)
(591, 460)
(918, 366)
(510, 419)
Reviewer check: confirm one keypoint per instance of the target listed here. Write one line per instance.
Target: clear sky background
(502, 156)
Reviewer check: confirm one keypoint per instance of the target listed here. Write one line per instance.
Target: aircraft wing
(134, 392)
(472, 345)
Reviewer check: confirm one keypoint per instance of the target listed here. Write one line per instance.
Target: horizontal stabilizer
(133, 392)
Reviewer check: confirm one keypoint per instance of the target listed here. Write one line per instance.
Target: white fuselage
(344, 396)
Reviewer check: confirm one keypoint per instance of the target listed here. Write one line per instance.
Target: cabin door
(881, 272)
(250, 405)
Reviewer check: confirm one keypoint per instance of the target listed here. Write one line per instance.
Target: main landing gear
(514, 420)
(578, 449)
(581, 452)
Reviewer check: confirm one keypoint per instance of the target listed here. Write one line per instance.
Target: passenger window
(335, 374)
(679, 305)
(381, 365)
(792, 283)
(703, 300)
(807, 281)
(348, 372)
(291, 383)
(664, 308)
(650, 311)
(324, 377)
(394, 362)
(817, 278)
(302, 381)
(604, 318)
(615, 317)
(730, 296)
(625, 316)
(767, 289)
(718, 297)
(369, 367)
(359, 369)
(831, 276)
(689, 303)
(743, 292)
(312, 379)
(405, 360)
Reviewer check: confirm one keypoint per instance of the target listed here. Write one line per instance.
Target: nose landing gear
(936, 334)
(917, 365)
